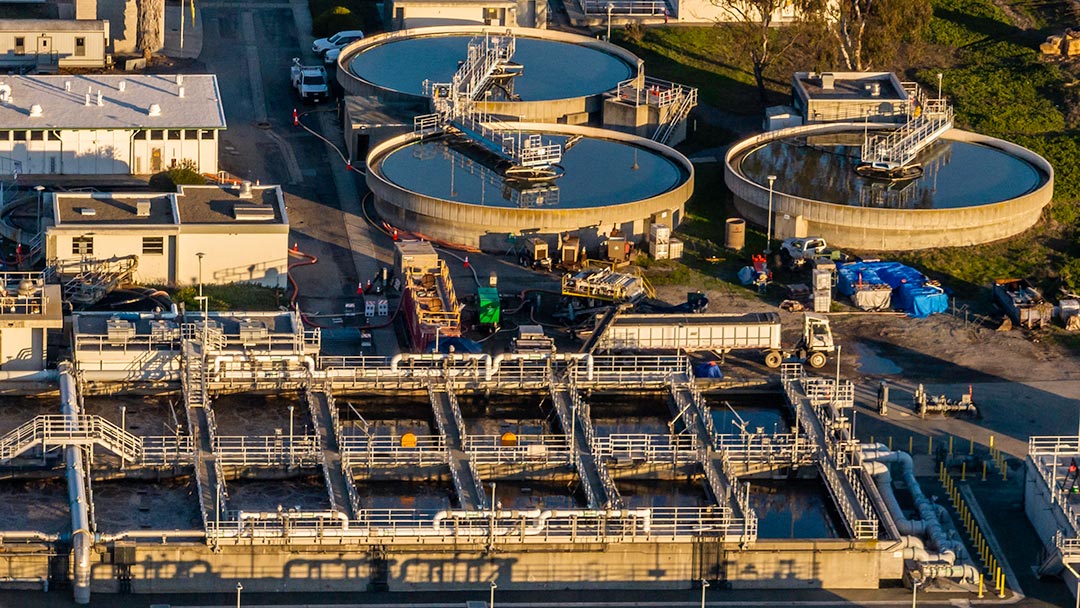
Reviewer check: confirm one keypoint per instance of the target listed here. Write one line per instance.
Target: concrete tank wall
(551, 111)
(888, 229)
(179, 568)
(489, 227)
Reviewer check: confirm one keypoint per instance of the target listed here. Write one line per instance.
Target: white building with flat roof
(51, 44)
(92, 124)
(210, 233)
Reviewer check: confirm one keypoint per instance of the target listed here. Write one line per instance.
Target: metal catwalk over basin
(462, 468)
(328, 430)
(574, 417)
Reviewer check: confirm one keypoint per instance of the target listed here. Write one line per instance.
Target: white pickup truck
(310, 81)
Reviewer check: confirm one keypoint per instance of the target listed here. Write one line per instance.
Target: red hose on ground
(309, 260)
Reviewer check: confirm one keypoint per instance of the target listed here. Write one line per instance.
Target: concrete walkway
(190, 44)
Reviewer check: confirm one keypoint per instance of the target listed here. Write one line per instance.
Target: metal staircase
(209, 476)
(56, 430)
(574, 417)
(454, 104)
(328, 428)
(898, 149)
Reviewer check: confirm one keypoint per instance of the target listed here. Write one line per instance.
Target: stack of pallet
(663, 246)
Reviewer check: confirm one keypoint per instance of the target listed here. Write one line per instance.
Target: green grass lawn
(999, 84)
(234, 296)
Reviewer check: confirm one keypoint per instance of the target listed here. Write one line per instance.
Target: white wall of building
(45, 46)
(103, 152)
(424, 14)
(230, 257)
(22, 348)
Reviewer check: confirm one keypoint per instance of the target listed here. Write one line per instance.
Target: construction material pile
(881, 285)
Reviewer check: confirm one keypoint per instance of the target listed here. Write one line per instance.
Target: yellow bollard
(1002, 593)
(971, 446)
(963, 471)
(980, 585)
(930, 444)
(950, 445)
(871, 439)
(997, 578)
(1004, 471)
(890, 443)
(941, 471)
(991, 442)
(910, 441)
(984, 471)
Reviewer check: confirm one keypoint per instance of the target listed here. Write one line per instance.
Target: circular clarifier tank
(447, 188)
(972, 189)
(561, 74)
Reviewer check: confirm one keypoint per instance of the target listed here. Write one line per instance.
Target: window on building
(191, 134)
(20, 45)
(82, 245)
(140, 135)
(153, 245)
(5, 135)
(157, 134)
(20, 135)
(54, 136)
(491, 14)
(208, 134)
(174, 134)
(37, 135)
(80, 47)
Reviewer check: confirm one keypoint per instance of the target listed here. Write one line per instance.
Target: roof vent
(154, 110)
(86, 102)
(179, 79)
(67, 86)
(245, 189)
(35, 111)
(100, 99)
(875, 89)
(828, 81)
(5, 92)
(180, 92)
(249, 211)
(142, 208)
(87, 211)
(122, 86)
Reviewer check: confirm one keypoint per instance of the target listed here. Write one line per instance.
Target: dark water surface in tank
(553, 70)
(793, 508)
(598, 173)
(956, 174)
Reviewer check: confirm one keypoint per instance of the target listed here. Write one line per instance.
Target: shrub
(185, 173)
(335, 20)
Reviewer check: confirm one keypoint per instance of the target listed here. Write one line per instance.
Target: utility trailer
(1022, 303)
(719, 333)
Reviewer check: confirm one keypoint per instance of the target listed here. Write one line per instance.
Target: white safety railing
(493, 449)
(58, 430)
(624, 8)
(675, 524)
(267, 450)
(1047, 454)
(385, 450)
(899, 148)
(678, 449)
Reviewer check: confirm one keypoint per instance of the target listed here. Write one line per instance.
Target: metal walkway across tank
(573, 414)
(444, 403)
(328, 429)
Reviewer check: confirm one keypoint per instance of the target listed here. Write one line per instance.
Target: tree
(869, 32)
(753, 21)
(150, 32)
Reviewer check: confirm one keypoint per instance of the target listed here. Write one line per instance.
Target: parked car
(330, 57)
(337, 41)
(310, 81)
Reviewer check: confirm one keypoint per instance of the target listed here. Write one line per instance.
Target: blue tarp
(910, 292)
(460, 345)
(708, 370)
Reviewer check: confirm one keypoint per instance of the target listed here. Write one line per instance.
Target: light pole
(202, 300)
(437, 329)
(768, 230)
(914, 589)
(704, 586)
(939, 76)
(292, 453)
(39, 190)
(491, 595)
(200, 256)
(239, 588)
(609, 7)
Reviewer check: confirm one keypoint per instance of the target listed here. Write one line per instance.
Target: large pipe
(155, 534)
(81, 539)
(28, 536)
(45, 375)
(931, 526)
